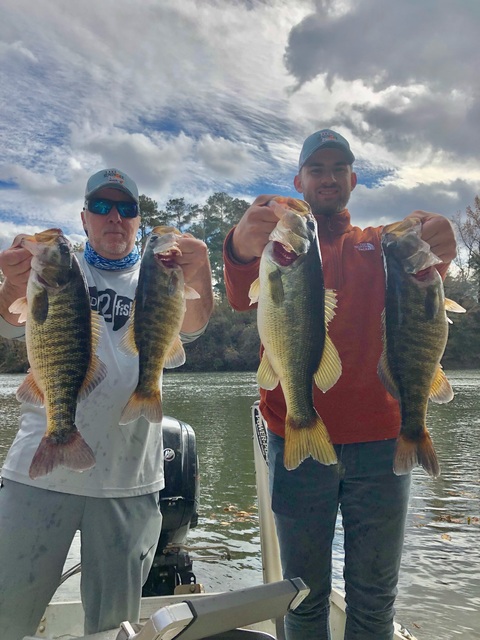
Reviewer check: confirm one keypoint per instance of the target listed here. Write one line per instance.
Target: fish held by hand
(61, 336)
(294, 311)
(415, 335)
(154, 327)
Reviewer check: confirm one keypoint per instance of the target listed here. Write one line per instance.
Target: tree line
(231, 341)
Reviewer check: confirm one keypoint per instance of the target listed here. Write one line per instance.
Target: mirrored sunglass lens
(100, 206)
(127, 209)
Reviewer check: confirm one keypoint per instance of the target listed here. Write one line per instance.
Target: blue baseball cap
(324, 139)
(114, 179)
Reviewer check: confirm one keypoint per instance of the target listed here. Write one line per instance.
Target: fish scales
(62, 345)
(154, 329)
(292, 316)
(61, 336)
(159, 305)
(415, 336)
(413, 353)
(301, 306)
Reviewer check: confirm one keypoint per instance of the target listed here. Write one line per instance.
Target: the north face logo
(365, 246)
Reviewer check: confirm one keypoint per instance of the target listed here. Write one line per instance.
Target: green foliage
(214, 220)
(178, 214)
(13, 356)
(463, 346)
(209, 222)
(230, 343)
(468, 235)
(149, 218)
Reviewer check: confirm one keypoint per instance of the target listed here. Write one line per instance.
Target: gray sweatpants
(118, 542)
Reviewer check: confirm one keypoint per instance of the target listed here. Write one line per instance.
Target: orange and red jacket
(357, 408)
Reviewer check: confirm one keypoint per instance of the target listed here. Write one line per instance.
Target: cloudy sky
(192, 97)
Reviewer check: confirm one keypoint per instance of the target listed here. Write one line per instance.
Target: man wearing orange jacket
(362, 418)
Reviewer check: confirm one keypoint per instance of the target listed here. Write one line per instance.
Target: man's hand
(15, 263)
(252, 232)
(438, 232)
(194, 256)
(197, 274)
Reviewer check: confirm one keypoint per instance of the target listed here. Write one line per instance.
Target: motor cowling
(179, 502)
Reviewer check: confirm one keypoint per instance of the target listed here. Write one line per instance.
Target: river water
(439, 587)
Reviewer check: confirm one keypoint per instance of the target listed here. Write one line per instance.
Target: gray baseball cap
(326, 138)
(114, 179)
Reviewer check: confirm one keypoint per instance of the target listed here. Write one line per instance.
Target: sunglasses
(102, 207)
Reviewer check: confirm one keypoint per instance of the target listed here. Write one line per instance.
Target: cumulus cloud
(417, 58)
(430, 43)
(177, 96)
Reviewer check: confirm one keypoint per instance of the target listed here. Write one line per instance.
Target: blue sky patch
(8, 184)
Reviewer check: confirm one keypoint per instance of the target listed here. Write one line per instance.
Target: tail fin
(74, 454)
(302, 442)
(142, 405)
(409, 453)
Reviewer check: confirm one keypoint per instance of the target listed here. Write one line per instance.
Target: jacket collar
(337, 224)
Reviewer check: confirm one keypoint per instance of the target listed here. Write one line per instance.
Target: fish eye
(311, 225)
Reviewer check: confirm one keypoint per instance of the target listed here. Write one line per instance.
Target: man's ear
(82, 215)
(353, 180)
(297, 182)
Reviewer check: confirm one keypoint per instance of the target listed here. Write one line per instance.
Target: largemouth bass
(294, 311)
(61, 337)
(155, 323)
(415, 336)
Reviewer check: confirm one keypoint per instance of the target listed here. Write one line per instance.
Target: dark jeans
(373, 502)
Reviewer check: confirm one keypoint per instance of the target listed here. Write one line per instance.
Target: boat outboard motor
(172, 565)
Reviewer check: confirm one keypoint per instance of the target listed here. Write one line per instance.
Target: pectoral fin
(191, 293)
(441, 390)
(127, 344)
(454, 307)
(330, 367)
(97, 371)
(96, 323)
(30, 392)
(254, 291)
(175, 355)
(20, 307)
(451, 305)
(266, 376)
